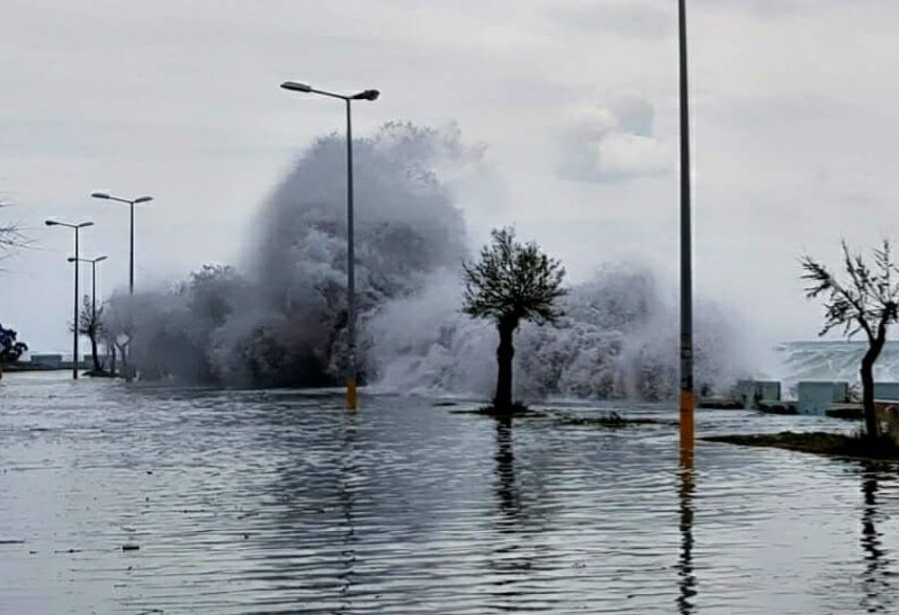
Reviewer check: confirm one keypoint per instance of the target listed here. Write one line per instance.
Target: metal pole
(351, 267)
(76, 263)
(131, 259)
(94, 291)
(687, 400)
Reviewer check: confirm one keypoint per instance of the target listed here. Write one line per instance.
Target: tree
(10, 348)
(866, 302)
(11, 237)
(115, 334)
(91, 325)
(511, 282)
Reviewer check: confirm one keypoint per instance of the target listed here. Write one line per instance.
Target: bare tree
(11, 237)
(867, 302)
(90, 323)
(511, 282)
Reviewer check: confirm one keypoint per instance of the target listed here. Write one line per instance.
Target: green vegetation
(819, 442)
(11, 349)
(511, 282)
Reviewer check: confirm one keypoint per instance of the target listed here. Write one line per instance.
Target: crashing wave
(281, 321)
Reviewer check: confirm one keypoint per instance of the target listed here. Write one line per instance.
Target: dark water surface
(279, 502)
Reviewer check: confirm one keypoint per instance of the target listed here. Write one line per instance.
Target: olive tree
(508, 283)
(866, 301)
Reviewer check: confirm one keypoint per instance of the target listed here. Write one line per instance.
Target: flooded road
(279, 502)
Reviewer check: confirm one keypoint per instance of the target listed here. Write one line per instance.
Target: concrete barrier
(753, 392)
(815, 397)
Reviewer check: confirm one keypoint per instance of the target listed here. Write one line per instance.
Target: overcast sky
(795, 108)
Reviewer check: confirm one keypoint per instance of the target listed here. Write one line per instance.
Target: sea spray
(281, 321)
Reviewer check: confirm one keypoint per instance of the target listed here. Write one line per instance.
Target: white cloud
(612, 142)
(624, 155)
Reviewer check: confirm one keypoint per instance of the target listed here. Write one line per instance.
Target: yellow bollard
(687, 428)
(351, 394)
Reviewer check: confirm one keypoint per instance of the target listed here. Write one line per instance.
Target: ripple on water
(278, 501)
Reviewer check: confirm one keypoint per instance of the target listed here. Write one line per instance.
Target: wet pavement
(132, 500)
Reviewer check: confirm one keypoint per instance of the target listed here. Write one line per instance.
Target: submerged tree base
(819, 442)
(516, 411)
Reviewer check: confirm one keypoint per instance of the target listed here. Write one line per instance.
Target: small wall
(51, 361)
(815, 397)
(751, 392)
(886, 391)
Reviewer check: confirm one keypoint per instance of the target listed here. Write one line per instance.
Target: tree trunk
(502, 403)
(112, 357)
(867, 374)
(92, 335)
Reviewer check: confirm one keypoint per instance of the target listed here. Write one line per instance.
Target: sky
(794, 121)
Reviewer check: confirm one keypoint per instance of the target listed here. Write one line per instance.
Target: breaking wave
(280, 319)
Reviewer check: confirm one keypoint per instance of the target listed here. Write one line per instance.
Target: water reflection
(686, 576)
(876, 577)
(348, 470)
(507, 492)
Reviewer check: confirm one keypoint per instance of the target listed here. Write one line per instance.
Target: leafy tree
(509, 283)
(866, 301)
(10, 348)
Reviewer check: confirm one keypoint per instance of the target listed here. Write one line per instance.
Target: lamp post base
(351, 397)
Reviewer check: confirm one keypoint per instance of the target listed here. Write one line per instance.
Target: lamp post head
(72, 259)
(85, 224)
(366, 95)
(100, 258)
(296, 87)
(51, 222)
(99, 195)
(143, 199)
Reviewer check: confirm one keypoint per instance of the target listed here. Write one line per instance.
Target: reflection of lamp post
(76, 228)
(685, 570)
(687, 401)
(350, 237)
(132, 203)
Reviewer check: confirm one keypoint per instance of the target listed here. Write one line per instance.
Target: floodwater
(280, 502)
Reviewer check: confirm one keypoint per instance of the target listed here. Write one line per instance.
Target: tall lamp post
(131, 203)
(370, 95)
(687, 399)
(76, 228)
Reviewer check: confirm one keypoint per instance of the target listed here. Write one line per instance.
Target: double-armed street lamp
(76, 228)
(93, 262)
(131, 203)
(370, 95)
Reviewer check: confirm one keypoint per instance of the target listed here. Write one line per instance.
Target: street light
(370, 95)
(132, 203)
(76, 228)
(93, 262)
(687, 399)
